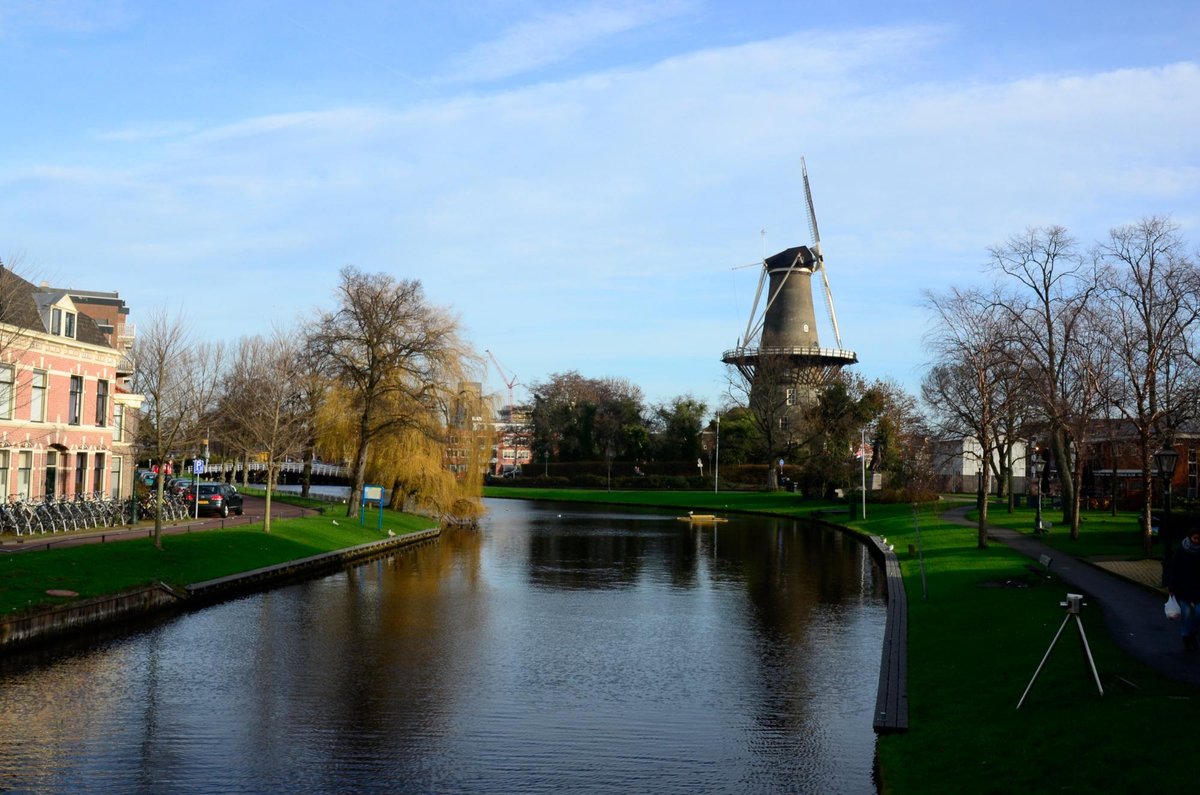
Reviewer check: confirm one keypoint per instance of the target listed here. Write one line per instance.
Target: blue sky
(578, 181)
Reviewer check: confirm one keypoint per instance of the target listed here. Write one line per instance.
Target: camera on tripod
(1073, 603)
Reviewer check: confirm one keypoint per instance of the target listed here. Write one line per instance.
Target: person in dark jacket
(1184, 585)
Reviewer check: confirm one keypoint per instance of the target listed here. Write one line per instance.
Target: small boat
(702, 518)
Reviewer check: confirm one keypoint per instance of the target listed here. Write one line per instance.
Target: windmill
(786, 329)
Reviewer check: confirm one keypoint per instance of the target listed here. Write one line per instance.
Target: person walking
(1184, 585)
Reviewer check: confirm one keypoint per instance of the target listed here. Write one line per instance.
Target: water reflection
(556, 649)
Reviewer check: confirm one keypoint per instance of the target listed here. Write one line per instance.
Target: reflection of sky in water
(552, 650)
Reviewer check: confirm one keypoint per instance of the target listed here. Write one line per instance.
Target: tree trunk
(270, 488)
(1062, 456)
(986, 474)
(306, 478)
(1147, 494)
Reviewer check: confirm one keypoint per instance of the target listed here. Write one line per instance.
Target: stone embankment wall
(40, 626)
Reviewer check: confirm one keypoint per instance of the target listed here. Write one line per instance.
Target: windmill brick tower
(780, 354)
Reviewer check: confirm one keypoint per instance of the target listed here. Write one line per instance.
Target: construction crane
(508, 382)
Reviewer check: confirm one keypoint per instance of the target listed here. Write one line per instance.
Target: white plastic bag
(1171, 608)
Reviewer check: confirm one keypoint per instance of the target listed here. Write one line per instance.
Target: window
(81, 473)
(6, 392)
(37, 401)
(50, 485)
(101, 403)
(75, 407)
(791, 395)
(69, 325)
(98, 473)
(24, 473)
(118, 422)
(56, 321)
(4, 456)
(114, 478)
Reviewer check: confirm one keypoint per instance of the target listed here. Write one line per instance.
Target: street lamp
(1039, 466)
(1164, 464)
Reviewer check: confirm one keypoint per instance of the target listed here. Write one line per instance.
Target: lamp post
(1164, 464)
(1039, 466)
(717, 457)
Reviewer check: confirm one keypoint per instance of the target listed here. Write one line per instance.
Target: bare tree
(179, 379)
(392, 353)
(1150, 303)
(1048, 313)
(268, 377)
(966, 388)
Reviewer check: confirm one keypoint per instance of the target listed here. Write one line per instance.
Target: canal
(557, 648)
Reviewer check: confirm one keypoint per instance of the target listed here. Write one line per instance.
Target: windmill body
(781, 352)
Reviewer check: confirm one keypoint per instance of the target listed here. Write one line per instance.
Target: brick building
(66, 412)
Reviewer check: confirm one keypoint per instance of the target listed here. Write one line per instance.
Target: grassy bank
(98, 569)
(974, 644)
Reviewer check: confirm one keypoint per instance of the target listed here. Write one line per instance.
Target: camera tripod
(1073, 604)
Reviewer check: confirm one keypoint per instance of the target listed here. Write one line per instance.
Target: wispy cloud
(552, 38)
(62, 16)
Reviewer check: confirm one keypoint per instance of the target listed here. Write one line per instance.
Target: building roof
(22, 305)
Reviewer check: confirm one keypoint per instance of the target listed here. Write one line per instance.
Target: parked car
(179, 485)
(216, 499)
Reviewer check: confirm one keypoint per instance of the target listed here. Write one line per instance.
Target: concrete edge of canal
(891, 699)
(85, 615)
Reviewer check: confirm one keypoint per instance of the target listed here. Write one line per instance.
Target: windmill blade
(837, 335)
(750, 326)
(813, 231)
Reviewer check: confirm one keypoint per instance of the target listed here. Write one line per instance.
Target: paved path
(1129, 593)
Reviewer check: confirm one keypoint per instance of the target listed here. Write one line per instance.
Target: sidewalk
(1128, 592)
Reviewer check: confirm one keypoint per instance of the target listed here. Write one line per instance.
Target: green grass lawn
(98, 569)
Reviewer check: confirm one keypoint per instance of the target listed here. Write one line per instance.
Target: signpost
(371, 494)
(197, 471)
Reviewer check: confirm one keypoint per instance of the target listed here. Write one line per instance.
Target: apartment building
(66, 412)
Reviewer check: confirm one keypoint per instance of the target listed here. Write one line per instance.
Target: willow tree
(391, 355)
(415, 460)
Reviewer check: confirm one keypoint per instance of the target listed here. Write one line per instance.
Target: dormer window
(62, 323)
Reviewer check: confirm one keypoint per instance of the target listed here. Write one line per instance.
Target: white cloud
(551, 38)
(588, 222)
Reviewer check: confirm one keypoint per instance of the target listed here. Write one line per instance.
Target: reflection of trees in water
(796, 585)
(395, 634)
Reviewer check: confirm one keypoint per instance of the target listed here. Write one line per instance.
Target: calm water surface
(556, 649)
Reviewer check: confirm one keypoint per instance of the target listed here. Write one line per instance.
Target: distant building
(514, 441)
(958, 464)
